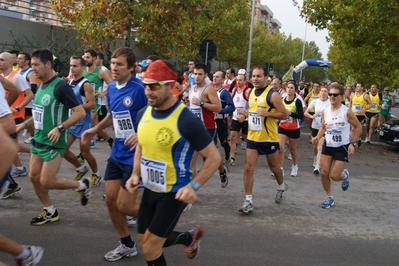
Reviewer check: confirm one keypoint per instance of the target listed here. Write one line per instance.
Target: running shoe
(314, 161)
(327, 203)
(359, 142)
(19, 172)
(92, 144)
(193, 249)
(85, 193)
(345, 183)
(188, 207)
(79, 174)
(12, 192)
(224, 181)
(80, 158)
(4, 189)
(227, 164)
(131, 221)
(232, 161)
(316, 170)
(110, 142)
(28, 140)
(120, 252)
(35, 255)
(247, 207)
(243, 145)
(289, 157)
(280, 195)
(294, 170)
(96, 179)
(367, 140)
(45, 217)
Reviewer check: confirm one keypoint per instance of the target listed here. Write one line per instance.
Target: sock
(20, 168)
(127, 241)
(81, 185)
(175, 237)
(80, 169)
(160, 261)
(50, 209)
(248, 198)
(97, 173)
(281, 187)
(24, 254)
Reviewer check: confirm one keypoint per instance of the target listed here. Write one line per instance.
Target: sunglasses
(157, 85)
(334, 94)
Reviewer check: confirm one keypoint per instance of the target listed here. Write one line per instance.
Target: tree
(364, 34)
(169, 28)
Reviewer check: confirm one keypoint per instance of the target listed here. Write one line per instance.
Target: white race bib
(356, 107)
(334, 138)
(153, 174)
(197, 112)
(254, 121)
(37, 113)
(123, 124)
(373, 107)
(317, 121)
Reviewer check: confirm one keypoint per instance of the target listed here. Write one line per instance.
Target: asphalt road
(361, 229)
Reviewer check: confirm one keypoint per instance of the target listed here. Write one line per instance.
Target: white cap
(242, 72)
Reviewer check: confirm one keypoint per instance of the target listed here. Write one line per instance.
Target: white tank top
(318, 109)
(240, 103)
(4, 108)
(196, 109)
(338, 128)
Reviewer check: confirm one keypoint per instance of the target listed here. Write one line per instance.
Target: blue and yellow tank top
(166, 155)
(261, 129)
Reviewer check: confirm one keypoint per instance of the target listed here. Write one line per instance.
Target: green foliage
(364, 34)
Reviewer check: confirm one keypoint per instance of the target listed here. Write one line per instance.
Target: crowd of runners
(162, 122)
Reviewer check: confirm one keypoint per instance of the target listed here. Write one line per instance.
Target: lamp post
(303, 50)
(250, 39)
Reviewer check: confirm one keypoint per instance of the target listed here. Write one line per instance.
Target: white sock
(81, 185)
(24, 254)
(50, 209)
(248, 198)
(281, 187)
(97, 174)
(80, 169)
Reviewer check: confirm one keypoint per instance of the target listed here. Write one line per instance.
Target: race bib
(384, 106)
(334, 138)
(153, 174)
(37, 113)
(317, 121)
(235, 114)
(356, 107)
(123, 124)
(288, 120)
(254, 121)
(373, 107)
(197, 112)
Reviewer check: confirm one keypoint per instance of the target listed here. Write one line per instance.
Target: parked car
(396, 100)
(389, 133)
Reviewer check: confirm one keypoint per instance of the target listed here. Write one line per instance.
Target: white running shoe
(120, 252)
(294, 170)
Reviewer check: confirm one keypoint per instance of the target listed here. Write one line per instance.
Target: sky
(288, 15)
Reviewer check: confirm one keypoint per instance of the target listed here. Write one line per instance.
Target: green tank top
(48, 113)
(385, 106)
(94, 80)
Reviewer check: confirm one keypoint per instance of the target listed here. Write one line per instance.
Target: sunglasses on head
(157, 85)
(334, 94)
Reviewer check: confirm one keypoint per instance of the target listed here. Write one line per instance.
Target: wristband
(17, 108)
(353, 144)
(195, 185)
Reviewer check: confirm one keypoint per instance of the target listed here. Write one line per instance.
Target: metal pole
(206, 53)
(303, 50)
(250, 39)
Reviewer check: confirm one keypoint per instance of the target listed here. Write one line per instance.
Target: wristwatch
(196, 186)
(61, 128)
(17, 108)
(353, 144)
(202, 103)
